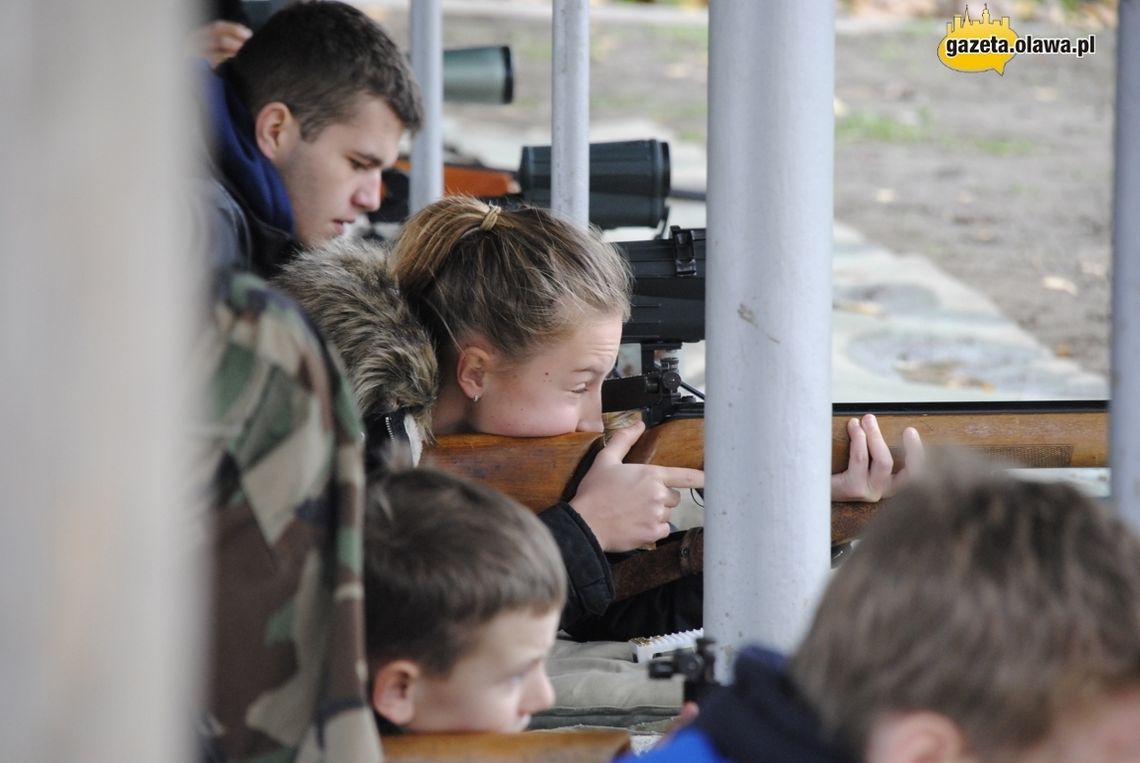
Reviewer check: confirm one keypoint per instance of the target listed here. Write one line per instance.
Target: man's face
(556, 391)
(335, 177)
(498, 684)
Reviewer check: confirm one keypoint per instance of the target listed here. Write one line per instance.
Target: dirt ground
(1002, 181)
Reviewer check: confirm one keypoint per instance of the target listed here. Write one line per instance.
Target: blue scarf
(240, 160)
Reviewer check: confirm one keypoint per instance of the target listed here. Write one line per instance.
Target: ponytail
(520, 278)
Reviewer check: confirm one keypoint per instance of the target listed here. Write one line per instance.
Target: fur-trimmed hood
(350, 293)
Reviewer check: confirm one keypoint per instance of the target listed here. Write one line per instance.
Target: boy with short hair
(981, 618)
(463, 590)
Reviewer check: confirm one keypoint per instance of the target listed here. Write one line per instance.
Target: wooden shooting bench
(574, 746)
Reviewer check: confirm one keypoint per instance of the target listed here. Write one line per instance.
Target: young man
(980, 619)
(463, 588)
(303, 119)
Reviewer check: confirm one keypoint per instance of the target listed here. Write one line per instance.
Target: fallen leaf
(859, 307)
(1057, 283)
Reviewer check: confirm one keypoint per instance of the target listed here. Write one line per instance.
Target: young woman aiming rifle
(506, 322)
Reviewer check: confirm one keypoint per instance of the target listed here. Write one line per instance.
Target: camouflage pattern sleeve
(287, 675)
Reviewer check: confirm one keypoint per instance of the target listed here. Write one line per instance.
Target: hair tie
(490, 218)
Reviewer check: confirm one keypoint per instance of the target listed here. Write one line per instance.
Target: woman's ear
(916, 737)
(392, 695)
(471, 369)
(276, 131)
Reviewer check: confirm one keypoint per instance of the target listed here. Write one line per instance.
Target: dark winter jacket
(759, 719)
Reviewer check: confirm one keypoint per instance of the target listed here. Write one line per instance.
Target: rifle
(668, 309)
(538, 472)
(577, 746)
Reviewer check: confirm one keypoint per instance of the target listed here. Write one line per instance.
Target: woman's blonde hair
(520, 278)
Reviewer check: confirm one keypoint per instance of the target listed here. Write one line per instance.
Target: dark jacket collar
(762, 718)
(244, 168)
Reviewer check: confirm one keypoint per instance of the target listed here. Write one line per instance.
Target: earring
(475, 399)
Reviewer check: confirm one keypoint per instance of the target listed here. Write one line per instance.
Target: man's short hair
(996, 602)
(319, 58)
(443, 557)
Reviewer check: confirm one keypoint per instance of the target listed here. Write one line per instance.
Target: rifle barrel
(1047, 434)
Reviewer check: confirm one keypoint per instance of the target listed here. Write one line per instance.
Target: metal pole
(570, 127)
(771, 151)
(1124, 453)
(427, 63)
(100, 646)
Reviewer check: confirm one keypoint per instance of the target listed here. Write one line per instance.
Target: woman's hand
(628, 505)
(868, 477)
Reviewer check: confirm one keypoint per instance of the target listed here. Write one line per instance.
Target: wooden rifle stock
(538, 472)
(578, 746)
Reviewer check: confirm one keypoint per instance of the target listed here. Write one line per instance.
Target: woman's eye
(580, 390)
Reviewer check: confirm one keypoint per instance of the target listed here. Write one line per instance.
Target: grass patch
(1004, 146)
(619, 101)
(534, 49)
(685, 109)
(891, 52)
(691, 136)
(861, 126)
(695, 36)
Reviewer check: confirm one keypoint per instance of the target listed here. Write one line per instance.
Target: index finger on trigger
(683, 477)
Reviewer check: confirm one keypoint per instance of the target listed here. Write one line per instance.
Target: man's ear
(392, 691)
(276, 130)
(471, 369)
(916, 737)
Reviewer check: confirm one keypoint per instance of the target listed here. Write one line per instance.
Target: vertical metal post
(100, 646)
(771, 151)
(570, 128)
(1124, 454)
(427, 63)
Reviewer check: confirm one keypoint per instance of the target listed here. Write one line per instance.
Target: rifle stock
(539, 471)
(578, 746)
(535, 471)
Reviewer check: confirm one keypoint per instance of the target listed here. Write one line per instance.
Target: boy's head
(463, 591)
(330, 95)
(982, 618)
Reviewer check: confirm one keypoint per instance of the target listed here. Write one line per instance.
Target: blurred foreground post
(427, 63)
(1124, 450)
(570, 111)
(100, 618)
(767, 438)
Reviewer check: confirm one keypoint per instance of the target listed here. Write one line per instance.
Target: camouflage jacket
(285, 447)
